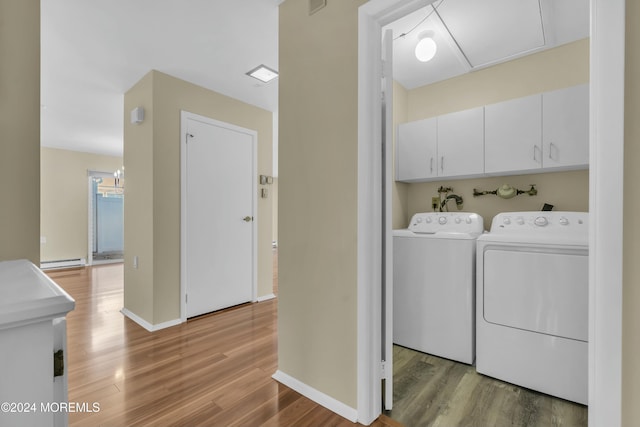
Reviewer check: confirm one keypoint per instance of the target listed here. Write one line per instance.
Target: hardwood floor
(431, 391)
(212, 371)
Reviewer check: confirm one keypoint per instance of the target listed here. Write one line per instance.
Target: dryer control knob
(506, 221)
(419, 220)
(520, 220)
(442, 220)
(428, 220)
(458, 220)
(541, 221)
(468, 220)
(564, 221)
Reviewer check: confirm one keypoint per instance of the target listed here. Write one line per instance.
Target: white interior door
(218, 215)
(387, 228)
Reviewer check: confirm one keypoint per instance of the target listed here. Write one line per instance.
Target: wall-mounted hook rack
(507, 192)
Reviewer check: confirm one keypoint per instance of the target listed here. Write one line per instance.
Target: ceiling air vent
(316, 5)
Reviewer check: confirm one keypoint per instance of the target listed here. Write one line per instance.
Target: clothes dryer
(434, 284)
(532, 302)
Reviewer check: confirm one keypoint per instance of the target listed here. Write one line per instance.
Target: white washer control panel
(452, 222)
(538, 222)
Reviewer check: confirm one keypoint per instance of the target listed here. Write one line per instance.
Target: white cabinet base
(32, 328)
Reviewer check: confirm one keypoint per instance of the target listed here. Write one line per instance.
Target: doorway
(218, 231)
(605, 195)
(106, 218)
(464, 155)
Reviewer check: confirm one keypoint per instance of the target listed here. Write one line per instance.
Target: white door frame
(605, 205)
(184, 117)
(606, 179)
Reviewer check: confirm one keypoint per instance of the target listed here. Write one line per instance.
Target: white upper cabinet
(461, 143)
(543, 132)
(416, 150)
(445, 146)
(513, 135)
(565, 128)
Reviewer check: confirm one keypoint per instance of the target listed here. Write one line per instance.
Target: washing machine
(434, 284)
(532, 302)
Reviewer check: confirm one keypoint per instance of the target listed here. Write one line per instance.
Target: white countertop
(27, 295)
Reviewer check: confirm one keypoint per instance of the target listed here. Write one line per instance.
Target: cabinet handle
(442, 163)
(536, 149)
(58, 363)
(553, 148)
(431, 165)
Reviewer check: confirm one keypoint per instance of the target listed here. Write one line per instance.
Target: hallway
(214, 370)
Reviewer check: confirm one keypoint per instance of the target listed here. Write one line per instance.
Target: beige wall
(563, 66)
(318, 157)
(152, 161)
(139, 212)
(567, 191)
(552, 69)
(64, 200)
(20, 130)
(631, 248)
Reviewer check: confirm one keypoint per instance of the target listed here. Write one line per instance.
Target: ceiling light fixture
(426, 48)
(263, 73)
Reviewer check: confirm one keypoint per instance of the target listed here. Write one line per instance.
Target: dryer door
(540, 290)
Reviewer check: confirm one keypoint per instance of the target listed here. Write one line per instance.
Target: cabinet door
(461, 143)
(416, 150)
(513, 135)
(565, 127)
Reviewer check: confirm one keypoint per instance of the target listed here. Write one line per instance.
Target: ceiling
(475, 34)
(94, 51)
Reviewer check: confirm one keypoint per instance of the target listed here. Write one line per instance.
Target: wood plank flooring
(212, 371)
(431, 391)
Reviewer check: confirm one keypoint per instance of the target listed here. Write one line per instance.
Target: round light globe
(426, 49)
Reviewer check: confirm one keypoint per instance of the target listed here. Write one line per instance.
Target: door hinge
(383, 369)
(58, 363)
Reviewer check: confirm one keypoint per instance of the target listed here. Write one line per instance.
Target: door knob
(247, 218)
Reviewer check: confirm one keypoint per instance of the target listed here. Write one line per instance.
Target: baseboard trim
(317, 396)
(107, 261)
(266, 297)
(148, 326)
(63, 263)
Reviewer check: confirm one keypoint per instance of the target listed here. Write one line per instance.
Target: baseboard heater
(63, 263)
